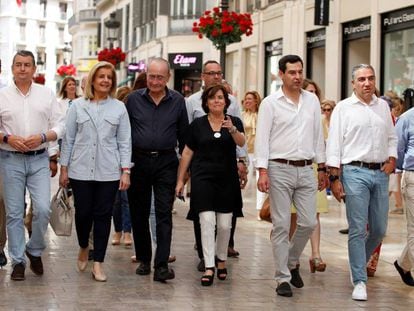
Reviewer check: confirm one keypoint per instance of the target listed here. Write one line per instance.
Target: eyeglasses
(327, 110)
(213, 73)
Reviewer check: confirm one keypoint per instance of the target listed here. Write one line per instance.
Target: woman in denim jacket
(95, 158)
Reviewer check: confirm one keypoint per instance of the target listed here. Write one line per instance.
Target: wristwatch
(332, 178)
(6, 138)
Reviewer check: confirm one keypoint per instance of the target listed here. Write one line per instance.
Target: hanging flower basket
(66, 70)
(223, 28)
(113, 56)
(39, 78)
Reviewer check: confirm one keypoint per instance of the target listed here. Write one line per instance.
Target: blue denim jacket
(97, 142)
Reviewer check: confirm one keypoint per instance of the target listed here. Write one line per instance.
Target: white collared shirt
(361, 132)
(31, 114)
(289, 131)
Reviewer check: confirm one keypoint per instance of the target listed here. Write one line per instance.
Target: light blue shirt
(195, 110)
(405, 135)
(97, 142)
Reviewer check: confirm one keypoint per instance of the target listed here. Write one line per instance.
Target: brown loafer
(36, 264)
(18, 272)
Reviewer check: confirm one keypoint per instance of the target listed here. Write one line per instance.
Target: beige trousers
(3, 236)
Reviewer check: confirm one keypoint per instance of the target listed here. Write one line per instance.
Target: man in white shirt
(3, 236)
(361, 153)
(29, 118)
(288, 140)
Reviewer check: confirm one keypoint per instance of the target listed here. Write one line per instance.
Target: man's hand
(338, 190)
(323, 181)
(242, 170)
(53, 167)
(389, 166)
(263, 182)
(33, 141)
(18, 143)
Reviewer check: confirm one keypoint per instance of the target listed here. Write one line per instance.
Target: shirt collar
(20, 92)
(279, 94)
(355, 100)
(168, 95)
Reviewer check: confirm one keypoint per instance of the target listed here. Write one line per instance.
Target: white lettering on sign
(356, 29)
(184, 61)
(317, 38)
(404, 18)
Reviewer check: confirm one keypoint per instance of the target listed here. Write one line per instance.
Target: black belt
(371, 166)
(293, 162)
(153, 153)
(29, 153)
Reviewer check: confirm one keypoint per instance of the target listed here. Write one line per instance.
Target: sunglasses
(327, 110)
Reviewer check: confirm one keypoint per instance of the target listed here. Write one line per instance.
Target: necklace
(215, 123)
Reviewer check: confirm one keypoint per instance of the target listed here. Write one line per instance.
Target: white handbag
(61, 217)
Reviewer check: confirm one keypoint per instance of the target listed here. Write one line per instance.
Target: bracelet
(128, 171)
(233, 130)
(321, 169)
(44, 138)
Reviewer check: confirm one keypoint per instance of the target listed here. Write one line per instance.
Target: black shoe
(36, 264)
(162, 274)
(18, 272)
(296, 279)
(207, 280)
(231, 252)
(3, 259)
(201, 267)
(144, 268)
(283, 289)
(406, 277)
(90, 255)
(344, 231)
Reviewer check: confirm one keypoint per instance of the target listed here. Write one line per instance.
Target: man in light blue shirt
(405, 162)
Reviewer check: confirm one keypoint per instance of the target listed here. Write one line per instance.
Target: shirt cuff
(333, 162)
(261, 163)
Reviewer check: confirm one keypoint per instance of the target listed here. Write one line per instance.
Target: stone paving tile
(250, 284)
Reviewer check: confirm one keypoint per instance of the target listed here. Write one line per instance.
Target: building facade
(39, 26)
(380, 32)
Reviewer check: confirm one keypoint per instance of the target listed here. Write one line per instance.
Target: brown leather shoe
(18, 272)
(36, 264)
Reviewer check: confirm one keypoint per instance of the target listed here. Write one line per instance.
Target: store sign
(274, 47)
(398, 19)
(321, 13)
(316, 38)
(185, 60)
(357, 29)
(137, 67)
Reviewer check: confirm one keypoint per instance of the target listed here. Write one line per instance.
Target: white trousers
(215, 245)
(406, 260)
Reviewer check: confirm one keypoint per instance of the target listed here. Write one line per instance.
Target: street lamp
(224, 7)
(113, 26)
(67, 50)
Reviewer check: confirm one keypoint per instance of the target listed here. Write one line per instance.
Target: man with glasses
(211, 75)
(361, 153)
(158, 119)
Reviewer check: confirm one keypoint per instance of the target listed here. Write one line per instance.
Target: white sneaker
(360, 292)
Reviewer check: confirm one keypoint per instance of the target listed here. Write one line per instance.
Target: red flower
(66, 70)
(113, 56)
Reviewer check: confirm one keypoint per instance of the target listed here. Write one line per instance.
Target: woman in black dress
(215, 188)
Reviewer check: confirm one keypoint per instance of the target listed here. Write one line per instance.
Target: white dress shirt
(361, 132)
(31, 114)
(289, 131)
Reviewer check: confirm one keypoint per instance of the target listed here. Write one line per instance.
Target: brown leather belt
(293, 162)
(30, 153)
(153, 153)
(371, 166)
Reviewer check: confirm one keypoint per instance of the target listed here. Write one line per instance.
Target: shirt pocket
(109, 127)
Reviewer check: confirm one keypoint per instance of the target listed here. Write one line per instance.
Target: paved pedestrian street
(249, 286)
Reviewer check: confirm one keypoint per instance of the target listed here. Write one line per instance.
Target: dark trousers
(197, 235)
(93, 205)
(159, 173)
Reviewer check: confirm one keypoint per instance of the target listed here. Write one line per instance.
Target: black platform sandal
(221, 273)
(207, 280)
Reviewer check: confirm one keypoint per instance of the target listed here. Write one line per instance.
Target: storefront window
(251, 69)
(274, 51)
(398, 50)
(233, 71)
(315, 59)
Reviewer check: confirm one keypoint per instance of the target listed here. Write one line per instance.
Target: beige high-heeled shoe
(97, 273)
(83, 259)
(116, 239)
(127, 240)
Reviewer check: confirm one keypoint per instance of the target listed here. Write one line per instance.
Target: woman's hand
(227, 123)
(179, 188)
(63, 178)
(124, 182)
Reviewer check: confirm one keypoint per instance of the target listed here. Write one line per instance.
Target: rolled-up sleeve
(333, 146)
(263, 129)
(57, 118)
(320, 152)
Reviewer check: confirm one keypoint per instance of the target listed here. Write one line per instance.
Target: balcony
(84, 16)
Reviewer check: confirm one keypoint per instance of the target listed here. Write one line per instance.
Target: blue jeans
(366, 195)
(21, 171)
(121, 217)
